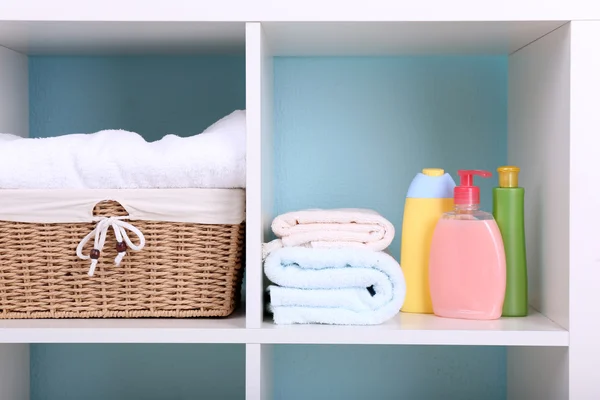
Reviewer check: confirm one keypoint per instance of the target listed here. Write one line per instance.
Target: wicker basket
(184, 270)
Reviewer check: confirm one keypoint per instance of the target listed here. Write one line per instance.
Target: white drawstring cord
(99, 233)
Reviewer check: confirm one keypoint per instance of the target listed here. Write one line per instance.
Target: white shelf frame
(14, 92)
(405, 329)
(259, 169)
(551, 354)
(299, 11)
(14, 371)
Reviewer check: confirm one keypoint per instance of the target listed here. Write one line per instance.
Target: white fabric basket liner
(201, 206)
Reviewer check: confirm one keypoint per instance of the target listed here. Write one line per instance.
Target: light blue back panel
(151, 95)
(347, 129)
(389, 372)
(137, 371)
(353, 132)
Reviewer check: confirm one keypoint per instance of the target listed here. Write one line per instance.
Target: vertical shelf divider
(14, 92)
(14, 118)
(259, 201)
(259, 170)
(584, 189)
(538, 142)
(259, 372)
(14, 371)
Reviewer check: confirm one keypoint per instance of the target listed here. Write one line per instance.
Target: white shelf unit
(549, 77)
(553, 82)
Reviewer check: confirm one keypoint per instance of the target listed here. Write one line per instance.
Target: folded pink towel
(345, 227)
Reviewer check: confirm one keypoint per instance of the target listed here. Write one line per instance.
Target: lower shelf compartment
(136, 371)
(388, 372)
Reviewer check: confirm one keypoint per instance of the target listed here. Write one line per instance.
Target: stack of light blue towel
(342, 283)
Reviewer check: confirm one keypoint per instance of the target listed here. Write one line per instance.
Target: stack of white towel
(328, 267)
(117, 159)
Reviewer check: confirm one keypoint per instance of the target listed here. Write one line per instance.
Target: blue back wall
(151, 95)
(137, 371)
(353, 132)
(349, 132)
(352, 372)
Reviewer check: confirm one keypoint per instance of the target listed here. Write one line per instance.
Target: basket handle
(99, 233)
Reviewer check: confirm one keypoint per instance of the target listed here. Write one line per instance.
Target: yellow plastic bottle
(431, 193)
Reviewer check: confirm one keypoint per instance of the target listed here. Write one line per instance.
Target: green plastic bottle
(509, 201)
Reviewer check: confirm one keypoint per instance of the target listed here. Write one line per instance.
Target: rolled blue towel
(341, 286)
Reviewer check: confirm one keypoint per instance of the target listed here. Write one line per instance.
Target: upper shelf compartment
(153, 78)
(396, 38)
(454, 94)
(150, 78)
(122, 38)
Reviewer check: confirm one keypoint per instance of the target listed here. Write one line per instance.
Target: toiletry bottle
(509, 200)
(430, 195)
(467, 266)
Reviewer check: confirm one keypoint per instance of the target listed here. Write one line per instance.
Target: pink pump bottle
(467, 265)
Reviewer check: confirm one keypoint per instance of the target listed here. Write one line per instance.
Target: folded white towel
(334, 286)
(116, 159)
(334, 228)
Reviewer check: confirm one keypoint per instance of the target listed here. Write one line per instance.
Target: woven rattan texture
(185, 270)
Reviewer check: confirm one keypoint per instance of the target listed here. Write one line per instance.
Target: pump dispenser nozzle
(466, 193)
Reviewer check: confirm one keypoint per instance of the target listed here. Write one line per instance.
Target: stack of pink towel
(335, 228)
(328, 267)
